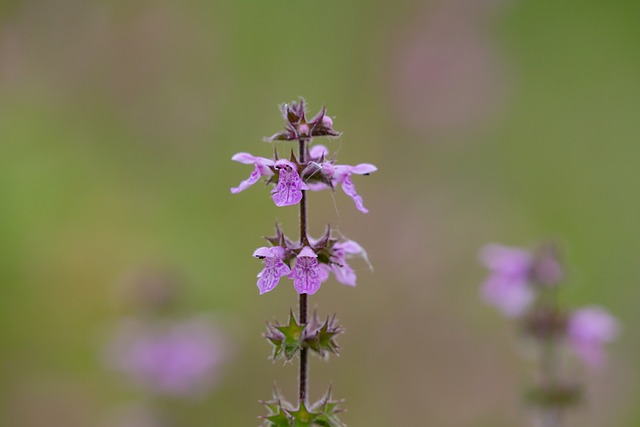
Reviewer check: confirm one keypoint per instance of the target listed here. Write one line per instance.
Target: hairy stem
(302, 379)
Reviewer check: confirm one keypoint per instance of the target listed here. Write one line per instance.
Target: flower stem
(302, 382)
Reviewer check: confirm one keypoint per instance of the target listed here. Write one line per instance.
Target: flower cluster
(308, 265)
(316, 172)
(308, 262)
(519, 285)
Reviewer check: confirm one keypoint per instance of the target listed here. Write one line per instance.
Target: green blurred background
(489, 120)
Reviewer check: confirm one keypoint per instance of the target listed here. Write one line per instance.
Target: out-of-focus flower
(262, 167)
(508, 286)
(588, 330)
(288, 191)
(306, 274)
(274, 267)
(180, 358)
(547, 268)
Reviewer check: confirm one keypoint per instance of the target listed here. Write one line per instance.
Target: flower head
(262, 167)
(274, 267)
(306, 274)
(588, 330)
(288, 191)
(508, 286)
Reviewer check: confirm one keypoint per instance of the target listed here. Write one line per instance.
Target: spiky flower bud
(316, 336)
(323, 413)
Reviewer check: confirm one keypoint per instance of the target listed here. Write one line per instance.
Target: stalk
(304, 369)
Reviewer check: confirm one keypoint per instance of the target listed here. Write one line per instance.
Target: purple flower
(178, 359)
(306, 274)
(288, 191)
(340, 174)
(508, 286)
(274, 267)
(317, 152)
(341, 252)
(588, 330)
(262, 167)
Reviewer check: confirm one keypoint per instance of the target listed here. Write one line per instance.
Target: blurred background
(503, 121)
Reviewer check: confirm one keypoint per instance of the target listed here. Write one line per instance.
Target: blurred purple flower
(169, 358)
(274, 267)
(508, 286)
(588, 330)
(306, 274)
(288, 191)
(262, 167)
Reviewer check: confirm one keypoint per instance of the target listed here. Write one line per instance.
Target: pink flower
(508, 286)
(288, 191)
(262, 167)
(340, 174)
(588, 330)
(306, 274)
(341, 252)
(274, 267)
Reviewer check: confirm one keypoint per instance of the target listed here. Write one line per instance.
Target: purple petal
(511, 297)
(324, 272)
(350, 247)
(344, 273)
(317, 151)
(506, 260)
(350, 190)
(307, 275)
(270, 276)
(317, 186)
(363, 169)
(343, 171)
(588, 330)
(288, 191)
(261, 168)
(273, 251)
(253, 178)
(248, 159)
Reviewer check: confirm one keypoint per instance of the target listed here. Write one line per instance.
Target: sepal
(286, 339)
(320, 337)
(323, 413)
